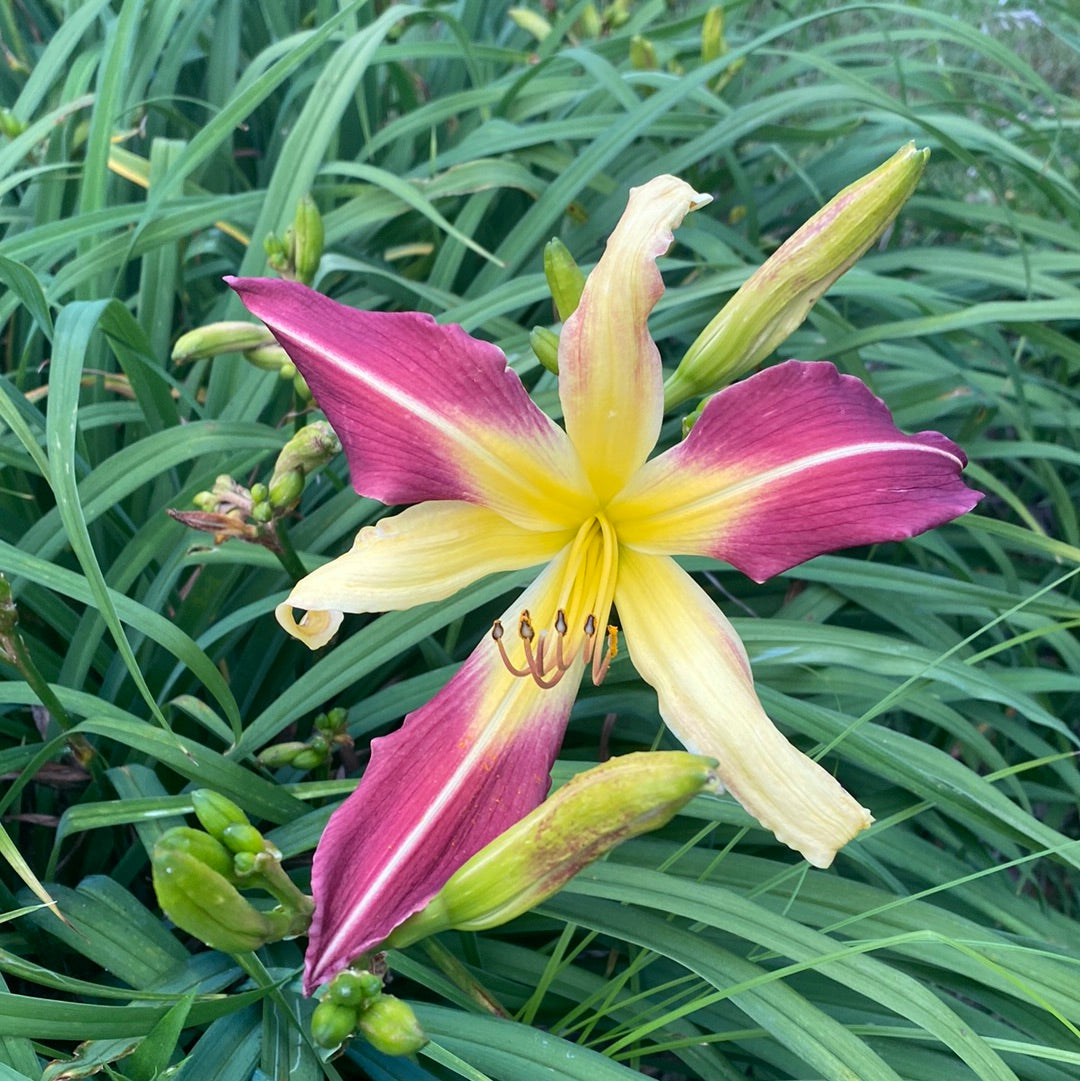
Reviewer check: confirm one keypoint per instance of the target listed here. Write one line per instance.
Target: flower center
(585, 595)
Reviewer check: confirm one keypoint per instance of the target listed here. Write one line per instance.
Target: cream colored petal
(685, 647)
(610, 382)
(425, 553)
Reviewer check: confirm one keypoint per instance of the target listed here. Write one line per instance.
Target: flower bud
(269, 357)
(242, 837)
(280, 754)
(10, 124)
(309, 758)
(536, 857)
(775, 300)
(200, 846)
(545, 344)
(286, 490)
(531, 21)
(352, 987)
(216, 812)
(309, 449)
(564, 277)
(390, 1026)
(216, 338)
(643, 54)
(332, 1025)
(309, 236)
(204, 903)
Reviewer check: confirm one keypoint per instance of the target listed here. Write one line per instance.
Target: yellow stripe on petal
(426, 553)
(685, 647)
(610, 381)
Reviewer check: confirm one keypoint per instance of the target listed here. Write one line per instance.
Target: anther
(497, 635)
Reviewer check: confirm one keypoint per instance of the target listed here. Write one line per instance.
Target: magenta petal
(424, 411)
(793, 462)
(461, 770)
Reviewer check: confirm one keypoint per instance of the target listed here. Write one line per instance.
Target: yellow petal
(685, 647)
(610, 381)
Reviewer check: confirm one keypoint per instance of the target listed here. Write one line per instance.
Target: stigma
(548, 653)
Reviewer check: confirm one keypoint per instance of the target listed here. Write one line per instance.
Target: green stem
(286, 553)
(460, 976)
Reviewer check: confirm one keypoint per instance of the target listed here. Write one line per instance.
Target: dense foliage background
(147, 149)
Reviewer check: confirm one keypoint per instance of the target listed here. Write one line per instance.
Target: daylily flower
(792, 462)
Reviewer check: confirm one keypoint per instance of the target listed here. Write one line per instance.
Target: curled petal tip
(314, 629)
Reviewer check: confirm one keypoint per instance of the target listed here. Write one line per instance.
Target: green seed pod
(545, 344)
(332, 1024)
(564, 277)
(216, 812)
(353, 988)
(390, 1026)
(205, 904)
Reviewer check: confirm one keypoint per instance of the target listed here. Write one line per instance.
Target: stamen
(497, 634)
(599, 671)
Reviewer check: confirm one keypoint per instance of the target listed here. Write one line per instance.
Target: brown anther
(497, 635)
(560, 621)
(525, 627)
(497, 630)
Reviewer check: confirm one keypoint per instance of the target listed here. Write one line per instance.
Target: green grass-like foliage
(445, 144)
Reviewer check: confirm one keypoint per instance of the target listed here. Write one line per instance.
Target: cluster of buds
(198, 875)
(230, 509)
(251, 340)
(329, 733)
(353, 1001)
(592, 21)
(623, 797)
(296, 255)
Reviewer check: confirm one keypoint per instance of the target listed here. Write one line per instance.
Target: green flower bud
(287, 370)
(310, 448)
(259, 493)
(564, 277)
(777, 297)
(332, 1024)
(242, 837)
(353, 988)
(280, 754)
(333, 722)
(545, 344)
(390, 1026)
(262, 512)
(216, 812)
(268, 358)
(216, 338)
(643, 54)
(205, 904)
(10, 124)
(286, 490)
(199, 845)
(713, 43)
(309, 758)
(308, 229)
(589, 24)
(530, 21)
(536, 857)
(301, 387)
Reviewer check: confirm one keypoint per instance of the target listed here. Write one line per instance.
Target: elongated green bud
(564, 277)
(309, 236)
(545, 344)
(200, 846)
(713, 43)
(580, 822)
(775, 300)
(269, 357)
(205, 904)
(530, 21)
(311, 448)
(216, 338)
(390, 1026)
(643, 54)
(280, 754)
(216, 812)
